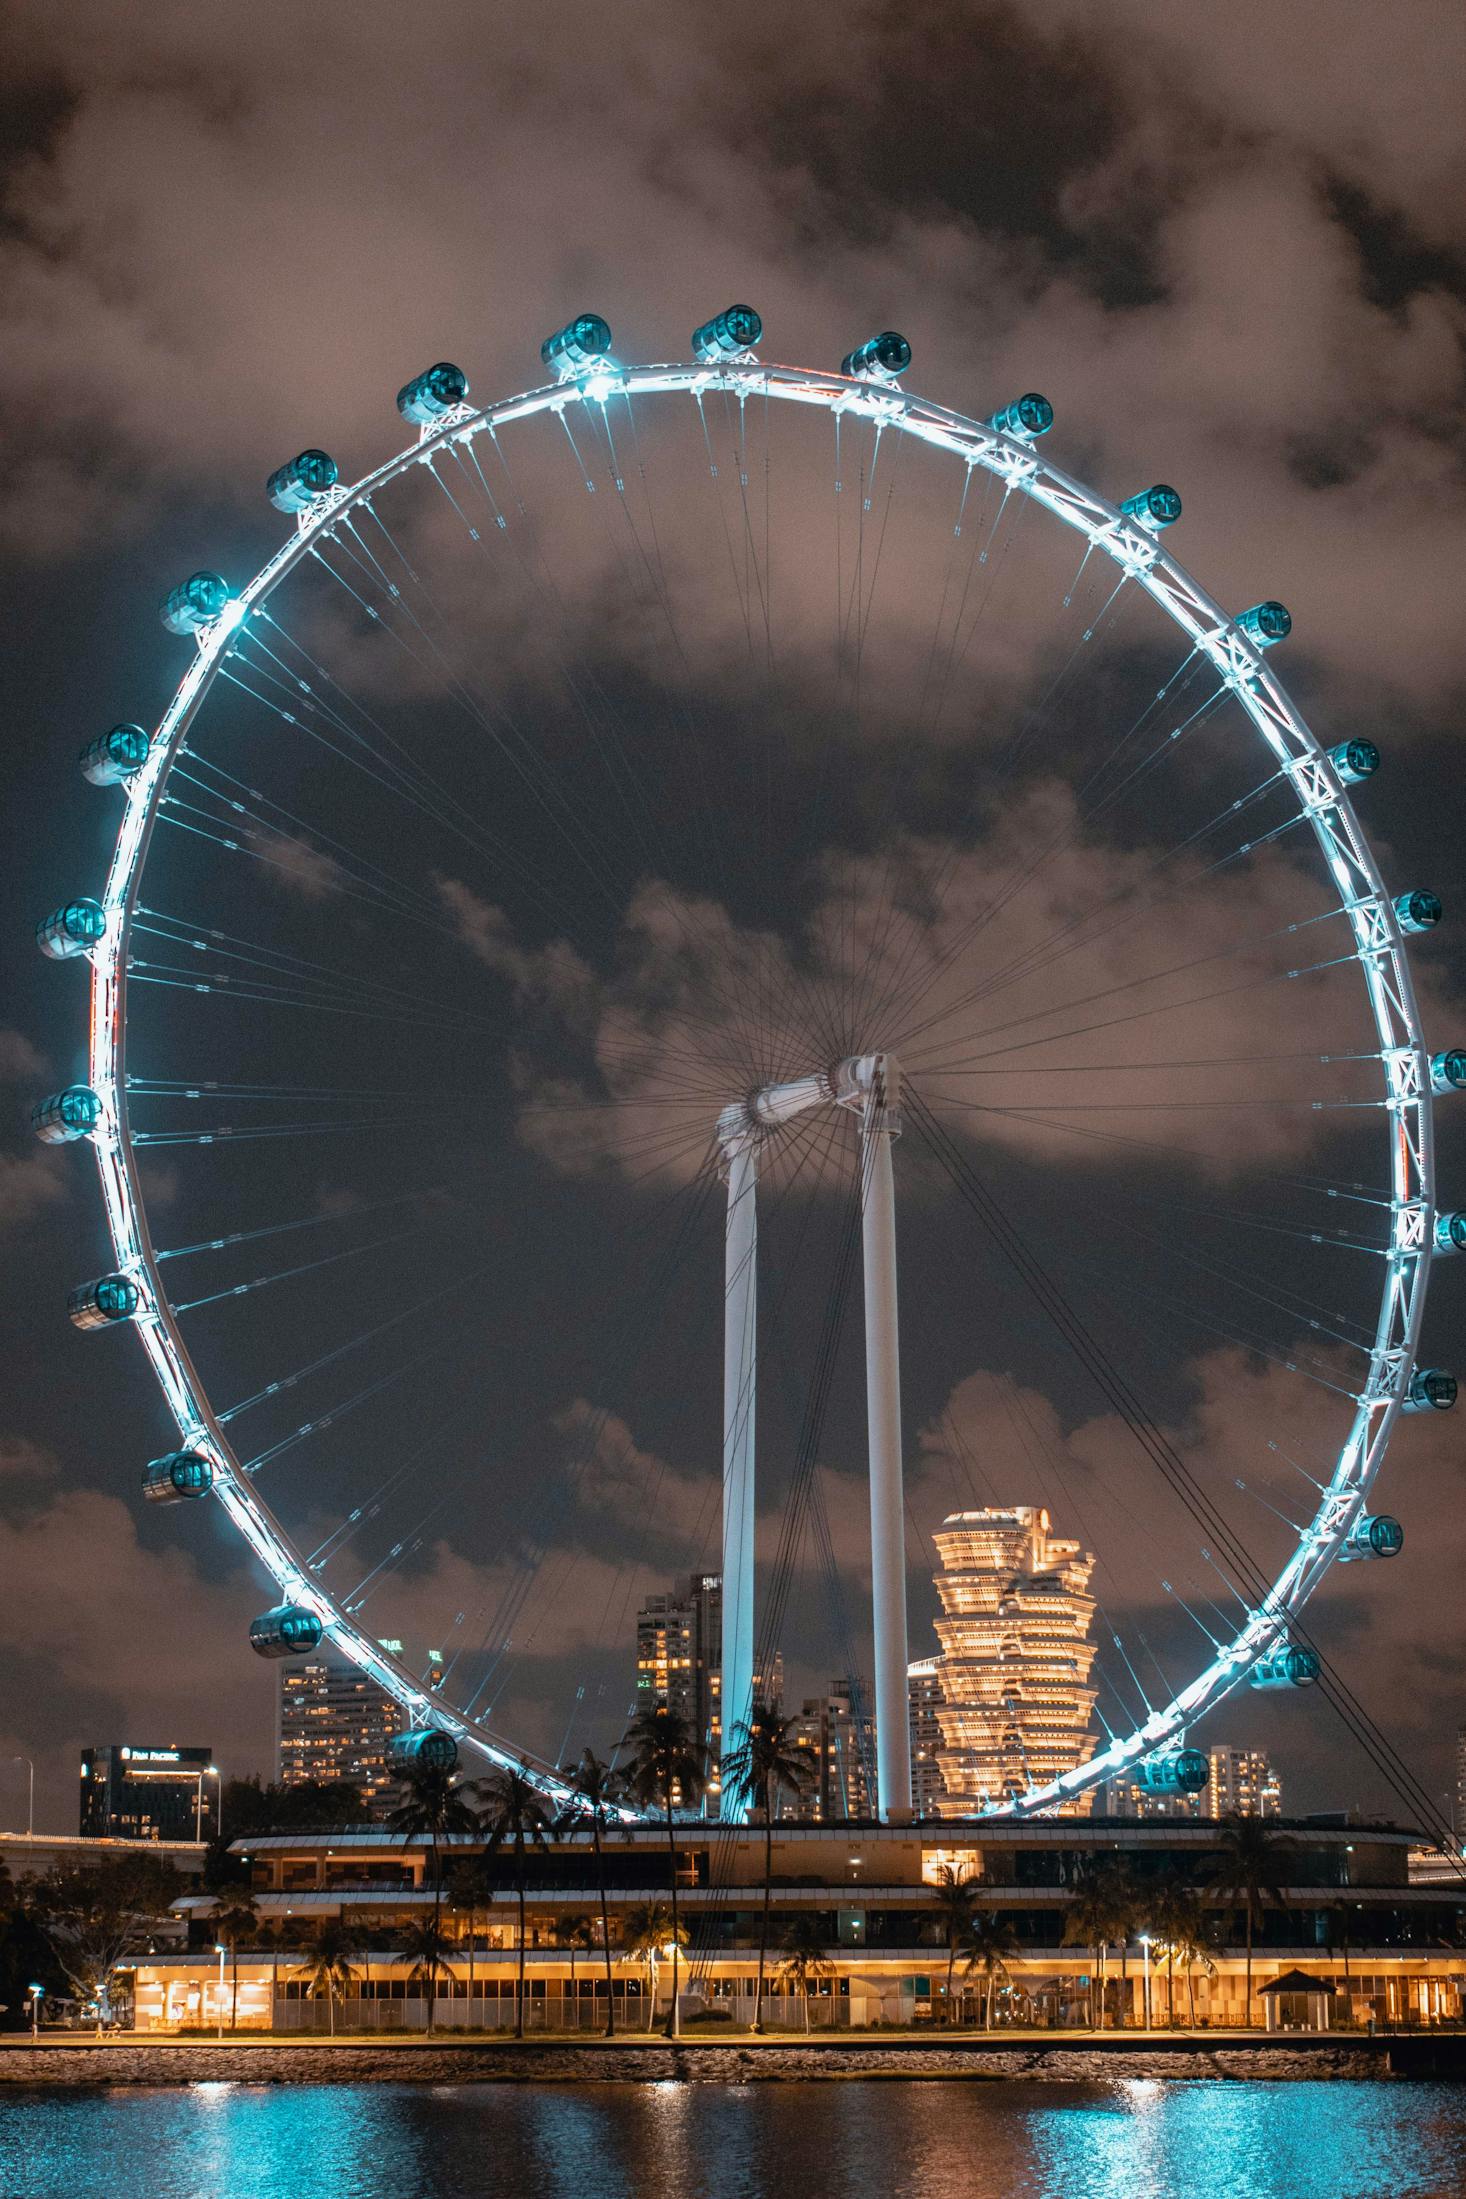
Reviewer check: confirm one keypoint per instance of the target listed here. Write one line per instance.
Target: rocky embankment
(80, 2061)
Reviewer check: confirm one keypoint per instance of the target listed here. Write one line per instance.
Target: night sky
(614, 810)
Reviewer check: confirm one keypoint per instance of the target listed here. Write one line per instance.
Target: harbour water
(861, 2139)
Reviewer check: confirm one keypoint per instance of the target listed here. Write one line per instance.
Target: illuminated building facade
(1242, 1780)
(924, 1695)
(134, 1793)
(679, 1655)
(335, 1723)
(834, 1732)
(1016, 1657)
(1237, 1779)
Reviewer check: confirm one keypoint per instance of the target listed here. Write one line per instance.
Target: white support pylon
(740, 1377)
(873, 1082)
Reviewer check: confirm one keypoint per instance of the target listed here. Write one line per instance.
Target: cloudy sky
(1230, 246)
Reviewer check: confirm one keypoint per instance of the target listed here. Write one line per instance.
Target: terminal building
(335, 1723)
(129, 1792)
(1372, 1945)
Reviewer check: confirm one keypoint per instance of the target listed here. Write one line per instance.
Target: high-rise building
(679, 1655)
(1122, 1798)
(1016, 1657)
(1237, 1779)
(133, 1793)
(335, 1723)
(834, 1732)
(1242, 1780)
(923, 1696)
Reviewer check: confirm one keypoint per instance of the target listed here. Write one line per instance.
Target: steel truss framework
(1321, 797)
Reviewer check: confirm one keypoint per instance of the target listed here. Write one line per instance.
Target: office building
(335, 1723)
(133, 1793)
(924, 1695)
(1016, 1656)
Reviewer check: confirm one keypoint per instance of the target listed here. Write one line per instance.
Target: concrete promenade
(131, 2058)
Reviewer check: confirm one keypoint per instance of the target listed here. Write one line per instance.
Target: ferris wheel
(561, 874)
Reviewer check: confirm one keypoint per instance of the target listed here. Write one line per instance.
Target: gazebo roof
(1298, 1981)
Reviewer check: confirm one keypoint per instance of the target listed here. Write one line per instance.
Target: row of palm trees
(1250, 1873)
(662, 1766)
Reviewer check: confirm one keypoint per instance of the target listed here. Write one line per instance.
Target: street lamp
(1145, 1949)
(30, 1813)
(37, 1994)
(220, 1951)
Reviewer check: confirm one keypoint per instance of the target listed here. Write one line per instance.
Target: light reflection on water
(1134, 2139)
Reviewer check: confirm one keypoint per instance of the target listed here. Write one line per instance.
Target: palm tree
(328, 1963)
(1167, 1917)
(596, 1788)
(236, 1917)
(987, 1941)
(764, 1763)
(273, 1937)
(666, 1763)
(434, 1804)
(952, 1896)
(1252, 1871)
(515, 1816)
(804, 1962)
(471, 1887)
(1127, 1906)
(1090, 1923)
(576, 1934)
(426, 1949)
(648, 1927)
(1187, 1941)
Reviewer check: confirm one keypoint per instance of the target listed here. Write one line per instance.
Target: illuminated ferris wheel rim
(1321, 794)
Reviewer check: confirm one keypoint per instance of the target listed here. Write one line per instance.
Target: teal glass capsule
(115, 755)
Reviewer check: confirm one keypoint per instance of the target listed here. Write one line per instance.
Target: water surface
(1135, 2138)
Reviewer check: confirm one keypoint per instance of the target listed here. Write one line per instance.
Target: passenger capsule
(1154, 508)
(110, 1298)
(1266, 623)
(1448, 1070)
(1291, 1667)
(1025, 418)
(427, 1748)
(294, 488)
(72, 930)
(1354, 760)
(64, 1117)
(1432, 1390)
(1184, 1771)
(1450, 1233)
(429, 396)
(179, 1476)
(1373, 1535)
(1419, 911)
(289, 1630)
(116, 755)
(880, 360)
(581, 343)
(196, 602)
(739, 329)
